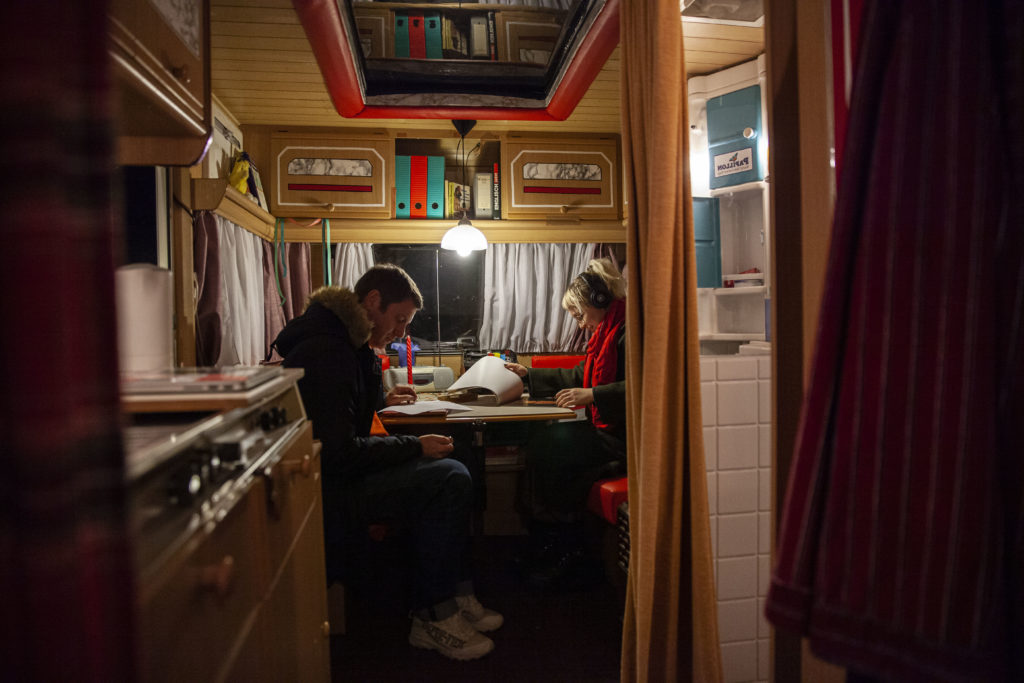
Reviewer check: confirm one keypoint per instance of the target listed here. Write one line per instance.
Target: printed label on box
(733, 162)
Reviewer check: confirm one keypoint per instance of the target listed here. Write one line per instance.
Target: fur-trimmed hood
(344, 304)
(326, 308)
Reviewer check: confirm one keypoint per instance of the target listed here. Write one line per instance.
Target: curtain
(65, 577)
(351, 260)
(285, 292)
(522, 302)
(209, 304)
(670, 631)
(901, 548)
(241, 286)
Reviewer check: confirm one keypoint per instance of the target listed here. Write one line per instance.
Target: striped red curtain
(65, 576)
(901, 547)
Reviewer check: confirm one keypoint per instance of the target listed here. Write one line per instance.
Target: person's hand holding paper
(400, 395)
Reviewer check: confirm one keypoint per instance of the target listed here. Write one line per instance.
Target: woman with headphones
(564, 460)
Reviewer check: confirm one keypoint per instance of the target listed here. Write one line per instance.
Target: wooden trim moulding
(392, 231)
(215, 194)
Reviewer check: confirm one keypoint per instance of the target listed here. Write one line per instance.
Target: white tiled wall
(736, 392)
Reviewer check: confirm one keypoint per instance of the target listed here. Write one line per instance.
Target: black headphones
(599, 296)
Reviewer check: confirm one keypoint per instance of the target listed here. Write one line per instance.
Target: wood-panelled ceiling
(264, 72)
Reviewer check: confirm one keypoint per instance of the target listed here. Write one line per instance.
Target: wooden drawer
(567, 178)
(201, 603)
(330, 176)
(293, 486)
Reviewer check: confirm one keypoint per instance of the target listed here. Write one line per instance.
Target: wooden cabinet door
(562, 177)
(527, 37)
(295, 612)
(375, 27)
(331, 177)
(160, 53)
(199, 605)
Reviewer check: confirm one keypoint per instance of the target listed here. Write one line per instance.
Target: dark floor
(547, 636)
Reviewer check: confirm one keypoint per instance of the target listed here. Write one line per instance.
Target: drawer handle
(303, 467)
(325, 629)
(219, 577)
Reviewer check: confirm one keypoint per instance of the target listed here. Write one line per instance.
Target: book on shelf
(496, 195)
(457, 199)
(492, 37)
(482, 201)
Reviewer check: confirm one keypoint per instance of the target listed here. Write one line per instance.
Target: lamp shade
(464, 238)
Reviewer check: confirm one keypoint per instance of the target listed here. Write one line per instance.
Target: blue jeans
(432, 498)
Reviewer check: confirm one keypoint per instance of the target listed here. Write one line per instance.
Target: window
(461, 283)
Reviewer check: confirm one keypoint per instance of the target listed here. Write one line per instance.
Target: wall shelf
(214, 194)
(403, 231)
(745, 187)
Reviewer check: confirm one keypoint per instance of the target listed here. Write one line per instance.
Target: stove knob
(186, 486)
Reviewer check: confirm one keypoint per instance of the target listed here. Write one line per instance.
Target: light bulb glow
(464, 238)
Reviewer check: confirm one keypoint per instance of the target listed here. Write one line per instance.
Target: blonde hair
(578, 294)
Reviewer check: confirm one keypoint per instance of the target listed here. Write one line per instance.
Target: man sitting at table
(367, 478)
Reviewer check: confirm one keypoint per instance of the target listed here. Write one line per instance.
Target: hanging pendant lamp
(463, 237)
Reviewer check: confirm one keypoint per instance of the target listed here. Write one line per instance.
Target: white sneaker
(480, 617)
(453, 637)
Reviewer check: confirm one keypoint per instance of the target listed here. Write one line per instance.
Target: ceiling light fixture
(463, 237)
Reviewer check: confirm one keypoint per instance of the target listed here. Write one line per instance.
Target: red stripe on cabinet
(330, 188)
(540, 189)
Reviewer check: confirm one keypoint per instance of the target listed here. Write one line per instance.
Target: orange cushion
(605, 497)
(556, 361)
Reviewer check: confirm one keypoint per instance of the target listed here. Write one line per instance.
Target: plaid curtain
(65, 576)
(901, 548)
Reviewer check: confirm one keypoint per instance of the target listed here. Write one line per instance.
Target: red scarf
(602, 362)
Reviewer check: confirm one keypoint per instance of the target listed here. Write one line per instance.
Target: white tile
(713, 523)
(764, 445)
(737, 368)
(764, 532)
(712, 493)
(764, 367)
(737, 491)
(764, 401)
(737, 402)
(710, 448)
(737, 578)
(764, 658)
(764, 489)
(737, 535)
(737, 447)
(764, 629)
(707, 369)
(764, 574)
(709, 403)
(737, 620)
(739, 662)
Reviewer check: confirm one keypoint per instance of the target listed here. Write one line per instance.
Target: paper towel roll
(145, 311)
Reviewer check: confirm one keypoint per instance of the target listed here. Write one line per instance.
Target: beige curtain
(671, 623)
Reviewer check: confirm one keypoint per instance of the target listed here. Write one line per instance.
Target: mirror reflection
(465, 53)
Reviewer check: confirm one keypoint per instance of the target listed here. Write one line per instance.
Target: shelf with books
(465, 178)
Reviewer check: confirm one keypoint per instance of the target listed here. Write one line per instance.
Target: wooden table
(522, 410)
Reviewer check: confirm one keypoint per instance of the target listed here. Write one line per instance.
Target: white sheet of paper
(489, 373)
(420, 407)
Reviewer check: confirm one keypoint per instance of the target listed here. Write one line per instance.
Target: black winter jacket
(341, 388)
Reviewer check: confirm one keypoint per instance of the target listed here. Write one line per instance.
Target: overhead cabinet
(160, 51)
(562, 176)
(328, 176)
